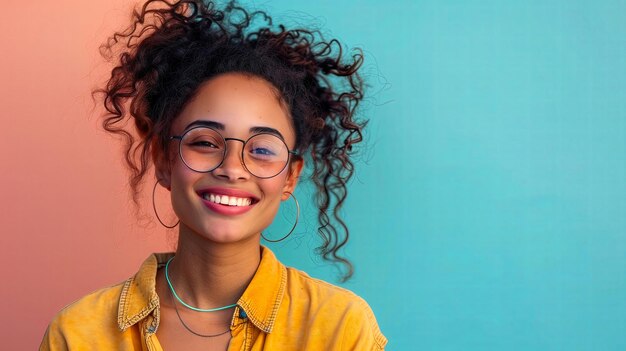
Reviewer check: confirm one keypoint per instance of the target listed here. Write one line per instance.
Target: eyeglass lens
(203, 149)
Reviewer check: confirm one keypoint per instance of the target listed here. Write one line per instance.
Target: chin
(225, 233)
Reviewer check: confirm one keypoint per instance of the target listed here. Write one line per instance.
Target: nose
(232, 166)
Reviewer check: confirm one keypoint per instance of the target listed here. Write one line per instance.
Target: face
(238, 106)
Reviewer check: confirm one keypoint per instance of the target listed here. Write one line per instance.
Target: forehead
(239, 102)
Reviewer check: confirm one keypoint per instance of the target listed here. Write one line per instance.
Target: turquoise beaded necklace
(167, 277)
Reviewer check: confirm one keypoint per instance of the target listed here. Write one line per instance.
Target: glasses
(203, 149)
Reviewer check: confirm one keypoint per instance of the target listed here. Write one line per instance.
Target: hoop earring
(155, 210)
(294, 225)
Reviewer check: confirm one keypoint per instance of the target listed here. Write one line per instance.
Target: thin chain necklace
(189, 329)
(169, 283)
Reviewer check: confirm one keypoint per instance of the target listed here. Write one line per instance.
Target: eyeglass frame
(180, 152)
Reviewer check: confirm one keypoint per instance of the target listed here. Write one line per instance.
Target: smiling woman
(239, 105)
(228, 111)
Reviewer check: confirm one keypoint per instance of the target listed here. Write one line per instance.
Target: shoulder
(83, 318)
(318, 290)
(102, 302)
(350, 313)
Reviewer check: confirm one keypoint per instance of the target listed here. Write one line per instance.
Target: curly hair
(171, 48)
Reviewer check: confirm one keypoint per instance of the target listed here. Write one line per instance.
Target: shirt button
(151, 329)
(242, 314)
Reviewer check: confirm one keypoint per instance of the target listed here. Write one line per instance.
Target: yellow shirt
(282, 309)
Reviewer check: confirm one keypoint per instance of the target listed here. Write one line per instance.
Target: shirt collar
(139, 298)
(260, 301)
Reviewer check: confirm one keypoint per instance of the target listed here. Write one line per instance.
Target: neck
(208, 274)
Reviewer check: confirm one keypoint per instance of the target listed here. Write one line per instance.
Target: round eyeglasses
(202, 149)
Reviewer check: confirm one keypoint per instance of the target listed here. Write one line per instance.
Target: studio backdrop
(488, 207)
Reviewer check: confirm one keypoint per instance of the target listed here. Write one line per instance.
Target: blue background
(488, 210)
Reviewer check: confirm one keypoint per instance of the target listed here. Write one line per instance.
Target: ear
(162, 172)
(164, 178)
(295, 168)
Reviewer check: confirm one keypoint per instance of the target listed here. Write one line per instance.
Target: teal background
(488, 211)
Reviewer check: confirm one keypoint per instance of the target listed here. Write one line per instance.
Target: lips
(227, 201)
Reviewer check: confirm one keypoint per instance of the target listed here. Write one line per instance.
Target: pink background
(63, 185)
(499, 125)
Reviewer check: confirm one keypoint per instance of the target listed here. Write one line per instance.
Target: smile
(227, 200)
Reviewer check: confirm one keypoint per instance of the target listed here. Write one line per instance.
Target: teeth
(227, 200)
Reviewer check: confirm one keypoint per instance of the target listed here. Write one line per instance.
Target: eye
(203, 143)
(203, 140)
(262, 151)
(265, 148)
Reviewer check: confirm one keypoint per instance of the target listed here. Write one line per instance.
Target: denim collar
(259, 302)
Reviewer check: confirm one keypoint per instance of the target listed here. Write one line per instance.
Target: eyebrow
(220, 126)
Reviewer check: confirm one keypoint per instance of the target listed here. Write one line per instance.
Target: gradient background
(488, 211)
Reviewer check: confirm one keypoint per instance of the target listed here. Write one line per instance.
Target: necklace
(169, 283)
(189, 329)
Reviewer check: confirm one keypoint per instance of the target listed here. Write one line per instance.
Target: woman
(227, 115)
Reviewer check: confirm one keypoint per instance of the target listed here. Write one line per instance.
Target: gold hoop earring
(294, 225)
(155, 210)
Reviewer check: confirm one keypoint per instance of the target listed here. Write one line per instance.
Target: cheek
(273, 187)
(272, 190)
(180, 173)
(182, 180)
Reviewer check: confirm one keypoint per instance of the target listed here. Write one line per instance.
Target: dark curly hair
(170, 49)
